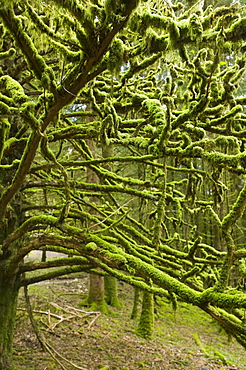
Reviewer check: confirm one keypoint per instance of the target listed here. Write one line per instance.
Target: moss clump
(99, 306)
(116, 54)
(4, 128)
(13, 88)
(4, 109)
(196, 28)
(7, 54)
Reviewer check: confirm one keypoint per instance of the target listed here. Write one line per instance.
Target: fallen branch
(52, 327)
(92, 322)
(75, 310)
(65, 359)
(83, 311)
(64, 309)
(48, 313)
(44, 345)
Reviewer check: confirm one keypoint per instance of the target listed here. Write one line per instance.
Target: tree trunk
(96, 294)
(96, 287)
(146, 322)
(135, 303)
(110, 284)
(8, 304)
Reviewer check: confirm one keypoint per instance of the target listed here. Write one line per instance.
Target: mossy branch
(27, 225)
(37, 63)
(236, 211)
(55, 274)
(90, 187)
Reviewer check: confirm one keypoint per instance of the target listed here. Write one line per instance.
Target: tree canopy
(149, 96)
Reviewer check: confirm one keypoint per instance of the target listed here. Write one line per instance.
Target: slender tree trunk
(96, 287)
(8, 304)
(110, 282)
(146, 322)
(135, 303)
(111, 291)
(96, 293)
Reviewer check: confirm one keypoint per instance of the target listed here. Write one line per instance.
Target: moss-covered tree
(164, 86)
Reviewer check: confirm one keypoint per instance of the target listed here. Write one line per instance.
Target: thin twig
(30, 314)
(66, 360)
(83, 311)
(42, 313)
(64, 309)
(92, 321)
(111, 214)
(52, 327)
(46, 346)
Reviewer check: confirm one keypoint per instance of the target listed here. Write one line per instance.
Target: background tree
(163, 84)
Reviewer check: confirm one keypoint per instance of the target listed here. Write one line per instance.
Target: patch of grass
(110, 343)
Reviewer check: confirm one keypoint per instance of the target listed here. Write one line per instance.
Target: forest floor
(76, 338)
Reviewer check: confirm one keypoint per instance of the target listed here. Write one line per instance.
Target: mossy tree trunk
(8, 305)
(146, 322)
(9, 281)
(135, 303)
(96, 286)
(96, 293)
(111, 291)
(110, 282)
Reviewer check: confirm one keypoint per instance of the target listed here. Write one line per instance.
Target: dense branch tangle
(164, 89)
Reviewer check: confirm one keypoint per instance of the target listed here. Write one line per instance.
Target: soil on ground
(74, 337)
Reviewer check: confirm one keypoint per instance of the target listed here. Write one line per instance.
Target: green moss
(135, 303)
(90, 247)
(4, 129)
(236, 211)
(13, 88)
(27, 225)
(230, 114)
(111, 293)
(195, 28)
(8, 303)
(160, 211)
(111, 7)
(236, 30)
(242, 267)
(7, 54)
(146, 322)
(225, 300)
(116, 54)
(106, 127)
(82, 14)
(217, 158)
(99, 306)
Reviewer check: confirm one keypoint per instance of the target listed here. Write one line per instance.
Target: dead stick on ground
(33, 323)
(65, 310)
(43, 313)
(87, 313)
(98, 314)
(66, 360)
(52, 327)
(41, 339)
(92, 321)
